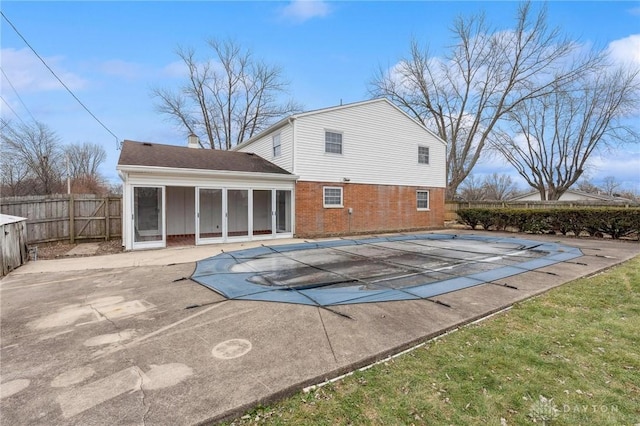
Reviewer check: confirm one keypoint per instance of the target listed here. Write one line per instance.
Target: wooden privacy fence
(70, 218)
(451, 207)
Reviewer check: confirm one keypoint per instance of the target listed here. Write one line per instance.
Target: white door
(148, 217)
(283, 212)
(237, 214)
(211, 226)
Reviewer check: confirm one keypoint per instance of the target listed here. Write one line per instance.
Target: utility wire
(58, 78)
(13, 111)
(16, 92)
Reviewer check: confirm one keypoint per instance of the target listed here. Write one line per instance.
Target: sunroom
(181, 195)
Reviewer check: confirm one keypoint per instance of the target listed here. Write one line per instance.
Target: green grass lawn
(568, 357)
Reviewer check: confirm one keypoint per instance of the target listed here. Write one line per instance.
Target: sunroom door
(237, 214)
(283, 212)
(148, 217)
(210, 219)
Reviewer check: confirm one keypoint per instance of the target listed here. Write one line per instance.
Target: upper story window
(333, 142)
(276, 145)
(423, 155)
(332, 196)
(422, 200)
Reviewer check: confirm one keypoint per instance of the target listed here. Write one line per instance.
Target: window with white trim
(332, 197)
(422, 200)
(333, 142)
(276, 145)
(423, 155)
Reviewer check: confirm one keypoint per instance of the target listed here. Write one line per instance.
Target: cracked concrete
(121, 346)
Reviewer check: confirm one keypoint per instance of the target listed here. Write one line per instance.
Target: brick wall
(376, 208)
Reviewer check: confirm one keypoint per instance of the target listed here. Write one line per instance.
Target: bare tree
(585, 185)
(484, 76)
(34, 162)
(499, 187)
(227, 98)
(84, 159)
(37, 150)
(610, 185)
(13, 172)
(472, 189)
(553, 136)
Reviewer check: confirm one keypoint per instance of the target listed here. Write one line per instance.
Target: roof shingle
(157, 155)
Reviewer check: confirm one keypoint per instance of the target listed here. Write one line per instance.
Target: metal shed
(13, 242)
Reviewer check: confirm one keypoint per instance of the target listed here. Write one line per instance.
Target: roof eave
(266, 131)
(202, 172)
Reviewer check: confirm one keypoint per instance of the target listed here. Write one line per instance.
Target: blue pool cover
(345, 271)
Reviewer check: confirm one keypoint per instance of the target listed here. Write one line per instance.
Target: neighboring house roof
(170, 156)
(581, 194)
(290, 119)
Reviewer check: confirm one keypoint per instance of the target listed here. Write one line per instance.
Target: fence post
(107, 225)
(72, 214)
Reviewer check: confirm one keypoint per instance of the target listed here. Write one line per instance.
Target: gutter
(202, 172)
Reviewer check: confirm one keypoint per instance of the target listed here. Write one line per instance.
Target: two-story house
(365, 167)
(361, 167)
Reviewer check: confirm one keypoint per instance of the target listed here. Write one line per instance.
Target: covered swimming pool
(377, 269)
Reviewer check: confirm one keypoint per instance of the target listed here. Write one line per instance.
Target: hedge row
(597, 222)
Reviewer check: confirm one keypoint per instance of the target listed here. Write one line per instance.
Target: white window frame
(420, 156)
(326, 131)
(422, 191)
(324, 198)
(278, 146)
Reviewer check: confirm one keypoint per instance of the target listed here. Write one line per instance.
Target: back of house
(362, 167)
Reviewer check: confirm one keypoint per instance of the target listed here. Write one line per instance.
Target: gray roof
(157, 155)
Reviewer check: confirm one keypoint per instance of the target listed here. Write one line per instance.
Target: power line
(58, 78)
(16, 92)
(13, 111)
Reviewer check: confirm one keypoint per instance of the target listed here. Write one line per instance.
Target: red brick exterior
(376, 208)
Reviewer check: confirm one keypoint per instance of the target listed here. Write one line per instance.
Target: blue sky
(112, 53)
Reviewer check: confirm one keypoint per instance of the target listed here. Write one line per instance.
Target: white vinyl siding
(332, 142)
(423, 154)
(276, 145)
(422, 200)
(380, 149)
(331, 197)
(264, 147)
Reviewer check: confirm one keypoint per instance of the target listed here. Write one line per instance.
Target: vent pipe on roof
(193, 141)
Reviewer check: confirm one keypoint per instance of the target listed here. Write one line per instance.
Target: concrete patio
(129, 339)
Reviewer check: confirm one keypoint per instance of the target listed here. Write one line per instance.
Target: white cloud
(120, 68)
(626, 50)
(29, 75)
(635, 11)
(300, 11)
(623, 165)
(176, 69)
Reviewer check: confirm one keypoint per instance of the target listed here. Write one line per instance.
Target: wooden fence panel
(50, 218)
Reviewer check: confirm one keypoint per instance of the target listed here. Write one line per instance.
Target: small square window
(333, 142)
(422, 198)
(332, 197)
(423, 155)
(276, 145)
